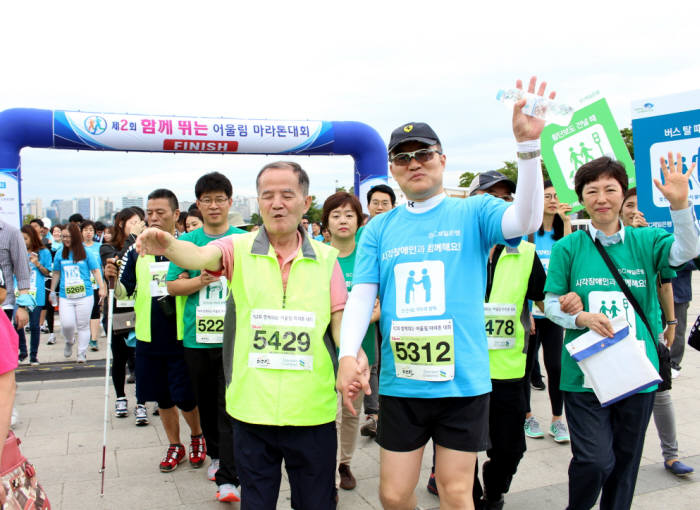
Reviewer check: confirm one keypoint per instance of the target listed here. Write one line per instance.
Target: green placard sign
(591, 134)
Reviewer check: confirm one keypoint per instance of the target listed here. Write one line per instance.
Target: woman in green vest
(607, 442)
(342, 214)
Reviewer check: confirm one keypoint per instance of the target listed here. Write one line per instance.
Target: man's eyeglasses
(421, 156)
(217, 200)
(550, 196)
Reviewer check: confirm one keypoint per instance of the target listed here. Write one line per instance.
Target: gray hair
(294, 167)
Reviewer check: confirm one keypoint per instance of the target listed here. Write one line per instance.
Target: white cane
(110, 310)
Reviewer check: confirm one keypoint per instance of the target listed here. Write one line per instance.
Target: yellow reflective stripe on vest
(281, 397)
(142, 298)
(510, 286)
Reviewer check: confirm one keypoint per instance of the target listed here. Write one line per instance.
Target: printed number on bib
(158, 272)
(499, 321)
(423, 350)
(210, 312)
(32, 284)
(74, 284)
(210, 324)
(281, 339)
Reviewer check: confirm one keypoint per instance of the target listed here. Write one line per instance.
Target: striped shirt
(14, 261)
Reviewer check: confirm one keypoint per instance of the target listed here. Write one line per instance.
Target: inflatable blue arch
(58, 129)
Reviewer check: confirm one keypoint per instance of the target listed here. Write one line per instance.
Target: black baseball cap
(485, 180)
(412, 132)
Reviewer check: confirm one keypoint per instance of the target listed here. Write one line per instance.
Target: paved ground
(61, 422)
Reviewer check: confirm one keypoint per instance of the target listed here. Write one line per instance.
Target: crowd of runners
(429, 315)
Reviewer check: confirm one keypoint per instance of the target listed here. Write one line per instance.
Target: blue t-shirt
(432, 267)
(38, 279)
(94, 248)
(543, 247)
(68, 273)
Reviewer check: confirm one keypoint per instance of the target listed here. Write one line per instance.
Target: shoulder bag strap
(625, 289)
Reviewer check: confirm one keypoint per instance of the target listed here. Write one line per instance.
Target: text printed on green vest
(280, 339)
(423, 350)
(499, 321)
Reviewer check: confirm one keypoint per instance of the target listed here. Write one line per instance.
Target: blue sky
(382, 63)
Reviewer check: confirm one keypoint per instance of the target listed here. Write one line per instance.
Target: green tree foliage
(315, 211)
(256, 219)
(509, 169)
(627, 137)
(27, 218)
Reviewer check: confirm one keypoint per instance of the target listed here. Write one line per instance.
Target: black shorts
(95, 314)
(164, 379)
(458, 423)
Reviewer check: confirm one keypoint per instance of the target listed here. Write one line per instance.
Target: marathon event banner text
(10, 211)
(659, 126)
(186, 134)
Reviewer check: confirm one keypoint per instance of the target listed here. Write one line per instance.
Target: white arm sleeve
(356, 317)
(525, 214)
(686, 243)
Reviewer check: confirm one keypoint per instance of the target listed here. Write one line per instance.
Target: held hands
(596, 322)
(353, 377)
(675, 189)
(206, 278)
(153, 241)
(571, 303)
(526, 127)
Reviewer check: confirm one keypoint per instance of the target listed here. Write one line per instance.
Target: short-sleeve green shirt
(200, 238)
(576, 265)
(347, 265)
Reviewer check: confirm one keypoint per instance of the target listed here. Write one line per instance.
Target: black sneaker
(538, 385)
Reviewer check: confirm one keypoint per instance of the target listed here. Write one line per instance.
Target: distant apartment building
(132, 201)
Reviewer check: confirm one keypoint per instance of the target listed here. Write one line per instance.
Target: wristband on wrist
(529, 155)
(672, 322)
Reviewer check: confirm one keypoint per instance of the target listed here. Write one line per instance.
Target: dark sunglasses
(421, 156)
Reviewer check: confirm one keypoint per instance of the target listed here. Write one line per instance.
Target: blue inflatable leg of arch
(58, 129)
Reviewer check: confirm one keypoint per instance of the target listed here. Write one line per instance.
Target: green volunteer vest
(510, 287)
(268, 396)
(142, 300)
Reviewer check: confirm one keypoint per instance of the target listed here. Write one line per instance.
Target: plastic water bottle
(538, 106)
(53, 300)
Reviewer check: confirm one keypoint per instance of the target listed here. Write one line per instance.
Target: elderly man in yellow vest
(279, 361)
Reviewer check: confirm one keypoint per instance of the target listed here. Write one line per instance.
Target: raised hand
(675, 189)
(563, 210)
(153, 241)
(526, 127)
(638, 220)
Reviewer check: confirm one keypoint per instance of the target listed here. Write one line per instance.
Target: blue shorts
(164, 379)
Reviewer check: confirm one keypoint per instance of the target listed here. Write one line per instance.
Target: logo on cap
(408, 129)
